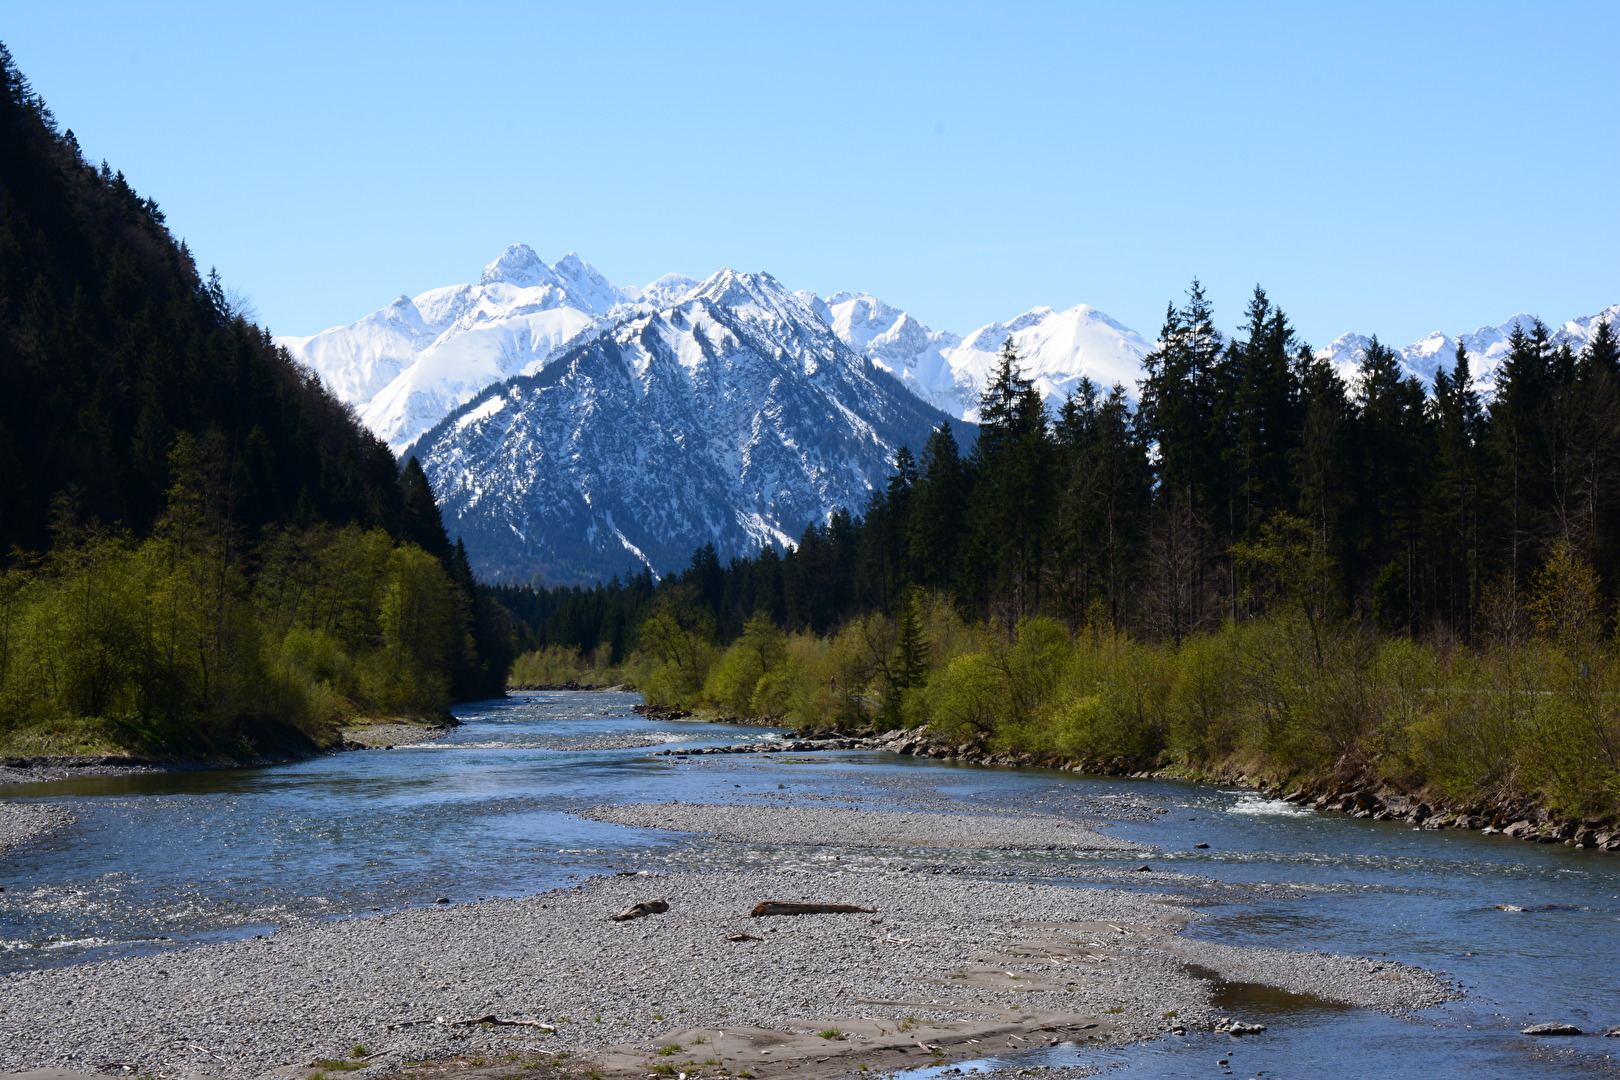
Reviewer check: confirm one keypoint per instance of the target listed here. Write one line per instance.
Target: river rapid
(154, 862)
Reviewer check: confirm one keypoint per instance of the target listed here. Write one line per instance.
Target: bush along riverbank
(1361, 798)
(1520, 733)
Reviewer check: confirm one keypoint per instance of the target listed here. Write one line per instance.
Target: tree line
(1420, 513)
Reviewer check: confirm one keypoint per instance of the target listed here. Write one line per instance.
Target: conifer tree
(420, 521)
(1392, 434)
(1012, 493)
(937, 510)
(1457, 496)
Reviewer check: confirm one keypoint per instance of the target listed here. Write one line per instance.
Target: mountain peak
(736, 289)
(518, 265)
(585, 284)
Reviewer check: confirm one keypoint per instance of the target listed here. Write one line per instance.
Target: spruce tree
(419, 519)
(1012, 493)
(937, 510)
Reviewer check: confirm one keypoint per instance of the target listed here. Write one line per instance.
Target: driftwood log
(472, 1021)
(637, 911)
(775, 907)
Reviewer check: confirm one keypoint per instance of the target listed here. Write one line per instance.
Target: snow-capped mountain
(408, 365)
(1488, 347)
(405, 367)
(1055, 348)
(734, 416)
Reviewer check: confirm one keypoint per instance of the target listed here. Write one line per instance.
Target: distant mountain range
(408, 365)
(1487, 347)
(575, 428)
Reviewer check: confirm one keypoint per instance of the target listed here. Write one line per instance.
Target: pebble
(772, 824)
(241, 1009)
(22, 822)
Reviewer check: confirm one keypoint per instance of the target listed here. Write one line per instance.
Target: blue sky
(1388, 168)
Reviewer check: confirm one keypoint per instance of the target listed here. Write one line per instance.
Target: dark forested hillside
(111, 345)
(202, 552)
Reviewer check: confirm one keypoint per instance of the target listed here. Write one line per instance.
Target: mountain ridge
(412, 362)
(733, 417)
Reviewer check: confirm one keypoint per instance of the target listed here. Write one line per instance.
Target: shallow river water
(157, 860)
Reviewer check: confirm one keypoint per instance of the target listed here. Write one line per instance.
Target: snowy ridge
(410, 364)
(1488, 347)
(405, 367)
(735, 416)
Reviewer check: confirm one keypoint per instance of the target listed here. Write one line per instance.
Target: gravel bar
(755, 823)
(935, 948)
(22, 822)
(375, 736)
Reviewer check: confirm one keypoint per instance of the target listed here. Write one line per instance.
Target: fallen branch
(641, 910)
(775, 907)
(473, 1021)
(744, 937)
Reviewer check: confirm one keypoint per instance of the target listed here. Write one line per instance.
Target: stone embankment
(1518, 819)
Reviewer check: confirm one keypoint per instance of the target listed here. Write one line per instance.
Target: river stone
(1551, 1029)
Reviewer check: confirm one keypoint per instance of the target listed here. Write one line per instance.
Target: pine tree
(420, 522)
(1518, 416)
(1602, 351)
(1456, 505)
(1177, 410)
(937, 510)
(1105, 487)
(1012, 493)
(1393, 436)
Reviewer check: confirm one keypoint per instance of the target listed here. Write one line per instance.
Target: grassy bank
(1531, 716)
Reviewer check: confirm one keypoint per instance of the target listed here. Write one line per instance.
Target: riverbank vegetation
(202, 552)
(190, 642)
(1268, 564)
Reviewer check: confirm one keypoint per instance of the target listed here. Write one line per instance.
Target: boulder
(1551, 1029)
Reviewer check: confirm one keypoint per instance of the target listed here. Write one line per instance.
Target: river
(159, 860)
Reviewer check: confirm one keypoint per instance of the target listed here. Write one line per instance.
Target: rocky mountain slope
(734, 416)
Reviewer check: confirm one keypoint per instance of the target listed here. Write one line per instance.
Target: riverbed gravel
(314, 991)
(22, 822)
(753, 823)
